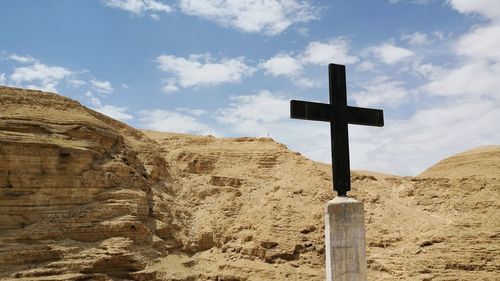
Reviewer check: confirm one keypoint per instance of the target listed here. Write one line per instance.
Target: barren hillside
(85, 197)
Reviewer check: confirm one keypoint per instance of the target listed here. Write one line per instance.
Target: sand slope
(84, 197)
(417, 228)
(480, 162)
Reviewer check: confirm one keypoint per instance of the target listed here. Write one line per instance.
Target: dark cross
(339, 115)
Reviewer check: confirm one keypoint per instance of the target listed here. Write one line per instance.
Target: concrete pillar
(345, 240)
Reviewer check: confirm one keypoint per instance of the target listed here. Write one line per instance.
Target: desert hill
(85, 197)
(480, 162)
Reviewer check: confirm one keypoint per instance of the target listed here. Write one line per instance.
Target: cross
(339, 115)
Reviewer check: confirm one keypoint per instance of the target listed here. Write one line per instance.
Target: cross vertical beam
(339, 131)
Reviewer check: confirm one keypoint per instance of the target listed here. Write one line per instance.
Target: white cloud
(47, 76)
(263, 106)
(332, 51)
(335, 50)
(171, 121)
(487, 8)
(94, 101)
(482, 43)
(169, 86)
(115, 112)
(381, 92)
(155, 17)
(191, 111)
(303, 31)
(22, 59)
(252, 114)
(201, 70)
(365, 66)
(389, 53)
(3, 78)
(40, 72)
(102, 86)
(76, 82)
(139, 7)
(307, 83)
(418, 2)
(477, 78)
(478, 73)
(428, 70)
(112, 111)
(40, 76)
(416, 38)
(270, 17)
(282, 64)
(439, 35)
(156, 6)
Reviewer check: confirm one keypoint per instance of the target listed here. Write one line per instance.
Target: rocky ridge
(85, 197)
(77, 190)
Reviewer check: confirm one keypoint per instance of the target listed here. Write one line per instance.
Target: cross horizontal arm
(323, 112)
(365, 116)
(310, 111)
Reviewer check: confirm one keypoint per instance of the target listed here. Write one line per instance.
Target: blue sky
(229, 68)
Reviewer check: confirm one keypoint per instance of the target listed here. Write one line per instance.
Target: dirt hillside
(77, 191)
(479, 162)
(85, 197)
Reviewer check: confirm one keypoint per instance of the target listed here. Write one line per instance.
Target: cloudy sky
(229, 68)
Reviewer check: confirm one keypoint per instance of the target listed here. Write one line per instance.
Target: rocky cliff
(77, 190)
(85, 197)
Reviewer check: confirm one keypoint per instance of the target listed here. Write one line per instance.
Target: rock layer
(72, 181)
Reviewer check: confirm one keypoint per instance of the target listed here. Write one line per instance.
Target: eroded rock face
(85, 197)
(70, 180)
(254, 211)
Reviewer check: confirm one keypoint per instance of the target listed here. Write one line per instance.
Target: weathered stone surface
(77, 189)
(345, 240)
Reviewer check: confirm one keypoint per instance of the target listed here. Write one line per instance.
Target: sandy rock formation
(249, 215)
(259, 208)
(76, 189)
(84, 197)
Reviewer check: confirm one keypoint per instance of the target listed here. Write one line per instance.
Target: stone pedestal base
(345, 240)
